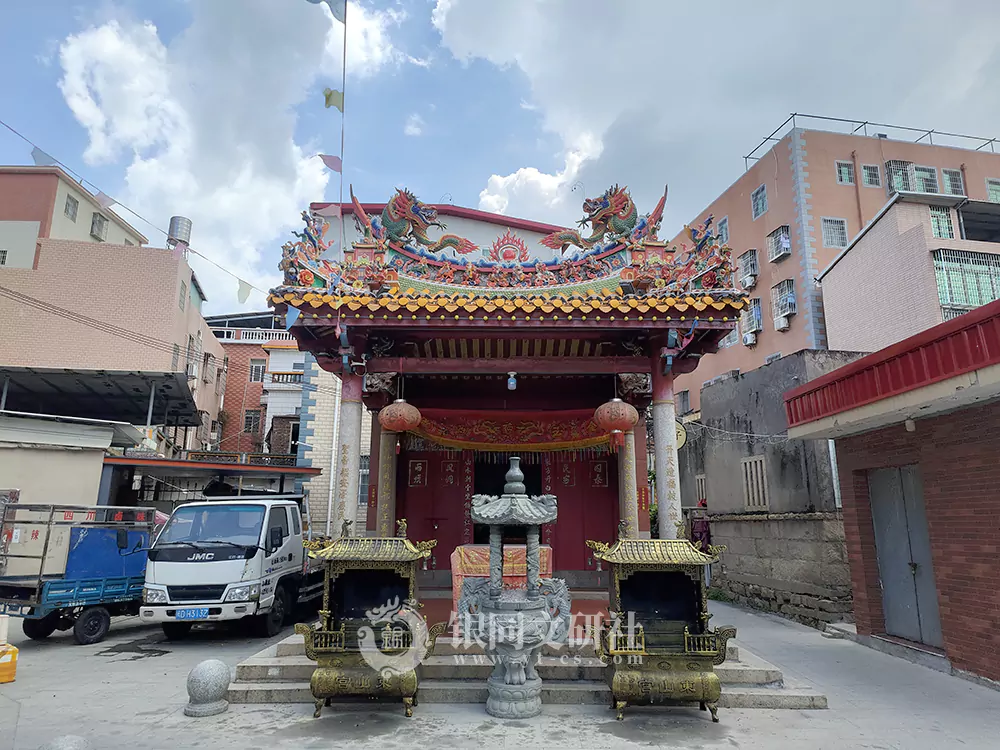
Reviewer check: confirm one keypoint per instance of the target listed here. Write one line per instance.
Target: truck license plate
(192, 613)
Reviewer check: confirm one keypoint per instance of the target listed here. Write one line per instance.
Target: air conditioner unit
(749, 339)
(748, 281)
(192, 369)
(781, 323)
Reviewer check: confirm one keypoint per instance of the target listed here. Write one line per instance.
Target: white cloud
(414, 125)
(673, 92)
(206, 125)
(369, 46)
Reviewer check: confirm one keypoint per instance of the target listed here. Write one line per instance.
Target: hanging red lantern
(616, 417)
(399, 416)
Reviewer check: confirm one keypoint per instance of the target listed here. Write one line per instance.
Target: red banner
(533, 431)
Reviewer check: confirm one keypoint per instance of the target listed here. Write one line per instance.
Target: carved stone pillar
(532, 555)
(668, 491)
(348, 455)
(386, 488)
(496, 561)
(628, 497)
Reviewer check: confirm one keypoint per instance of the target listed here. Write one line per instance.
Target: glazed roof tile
(653, 552)
(376, 549)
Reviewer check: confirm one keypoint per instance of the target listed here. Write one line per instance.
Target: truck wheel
(176, 631)
(270, 624)
(92, 626)
(40, 629)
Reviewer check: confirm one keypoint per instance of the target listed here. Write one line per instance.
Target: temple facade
(496, 337)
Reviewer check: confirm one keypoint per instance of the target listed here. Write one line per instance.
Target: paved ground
(129, 691)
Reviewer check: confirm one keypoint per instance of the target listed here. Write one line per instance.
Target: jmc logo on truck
(201, 556)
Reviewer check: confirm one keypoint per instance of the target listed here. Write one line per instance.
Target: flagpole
(343, 121)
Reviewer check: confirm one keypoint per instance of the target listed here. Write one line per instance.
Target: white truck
(227, 560)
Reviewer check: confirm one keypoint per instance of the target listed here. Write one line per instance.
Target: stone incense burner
(514, 624)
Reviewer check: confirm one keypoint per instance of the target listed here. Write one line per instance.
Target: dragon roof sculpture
(622, 250)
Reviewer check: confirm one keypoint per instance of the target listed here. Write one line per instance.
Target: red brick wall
(241, 395)
(957, 459)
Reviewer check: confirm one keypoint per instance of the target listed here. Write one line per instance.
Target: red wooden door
(432, 489)
(587, 493)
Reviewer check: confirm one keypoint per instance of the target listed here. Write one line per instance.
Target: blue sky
(214, 108)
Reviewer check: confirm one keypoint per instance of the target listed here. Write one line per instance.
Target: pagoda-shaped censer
(514, 624)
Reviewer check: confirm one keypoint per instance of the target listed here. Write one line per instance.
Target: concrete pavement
(125, 694)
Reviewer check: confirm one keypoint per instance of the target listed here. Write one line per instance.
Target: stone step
(554, 692)
(294, 646)
(269, 668)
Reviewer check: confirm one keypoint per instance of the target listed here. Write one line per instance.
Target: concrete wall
(798, 472)
(66, 228)
(802, 188)
(52, 475)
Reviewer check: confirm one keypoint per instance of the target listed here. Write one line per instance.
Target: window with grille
(257, 368)
(779, 243)
(941, 222)
(251, 421)
(750, 318)
(845, 173)
(754, 483)
(993, 190)
(723, 231)
(683, 402)
(870, 175)
(71, 208)
(953, 182)
(3, 257)
(730, 339)
(758, 202)
(783, 298)
(206, 368)
(834, 232)
(898, 176)
(175, 358)
(966, 280)
(220, 383)
(99, 227)
(748, 264)
(182, 300)
(925, 179)
(701, 486)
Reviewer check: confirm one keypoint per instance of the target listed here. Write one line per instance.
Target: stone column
(533, 560)
(348, 456)
(668, 491)
(496, 561)
(628, 497)
(386, 487)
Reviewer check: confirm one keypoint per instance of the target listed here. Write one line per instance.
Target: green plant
(718, 595)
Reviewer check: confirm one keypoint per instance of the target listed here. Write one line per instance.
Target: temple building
(499, 337)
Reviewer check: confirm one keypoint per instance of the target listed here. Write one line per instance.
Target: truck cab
(229, 559)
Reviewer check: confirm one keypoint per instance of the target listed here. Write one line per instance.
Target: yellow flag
(334, 99)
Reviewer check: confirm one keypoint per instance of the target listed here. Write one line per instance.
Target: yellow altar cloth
(473, 560)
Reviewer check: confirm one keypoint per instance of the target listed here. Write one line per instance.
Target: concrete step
(270, 668)
(293, 646)
(554, 692)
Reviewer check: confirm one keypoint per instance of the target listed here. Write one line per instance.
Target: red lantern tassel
(617, 440)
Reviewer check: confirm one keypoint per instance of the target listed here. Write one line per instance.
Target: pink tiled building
(797, 207)
(80, 290)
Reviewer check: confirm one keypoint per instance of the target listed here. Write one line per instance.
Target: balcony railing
(287, 378)
(251, 335)
(254, 459)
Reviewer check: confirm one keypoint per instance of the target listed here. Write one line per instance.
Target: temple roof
(376, 549)
(528, 302)
(653, 552)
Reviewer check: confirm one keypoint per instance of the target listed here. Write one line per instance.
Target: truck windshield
(239, 524)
